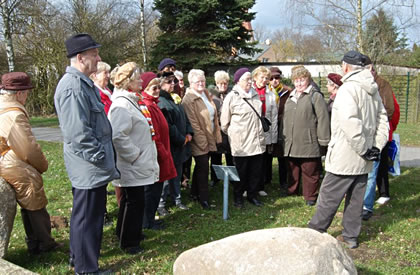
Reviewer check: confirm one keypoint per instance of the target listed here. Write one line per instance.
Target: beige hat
(124, 72)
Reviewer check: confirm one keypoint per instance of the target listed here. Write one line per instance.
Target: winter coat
(105, 97)
(271, 112)
(87, 134)
(241, 123)
(22, 162)
(179, 127)
(136, 151)
(164, 156)
(306, 124)
(359, 122)
(205, 136)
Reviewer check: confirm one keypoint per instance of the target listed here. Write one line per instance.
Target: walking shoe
(366, 215)
(162, 211)
(262, 193)
(255, 202)
(133, 250)
(349, 243)
(98, 272)
(181, 206)
(382, 200)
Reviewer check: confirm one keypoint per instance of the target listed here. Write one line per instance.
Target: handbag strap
(252, 107)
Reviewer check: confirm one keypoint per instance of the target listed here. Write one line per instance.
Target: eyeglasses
(155, 87)
(275, 77)
(170, 81)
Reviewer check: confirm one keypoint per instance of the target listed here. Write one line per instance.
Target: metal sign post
(226, 173)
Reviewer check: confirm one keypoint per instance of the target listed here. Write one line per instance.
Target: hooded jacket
(241, 124)
(22, 162)
(359, 122)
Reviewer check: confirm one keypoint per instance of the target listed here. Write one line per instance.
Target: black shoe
(255, 202)
(133, 250)
(99, 272)
(157, 227)
(310, 202)
(205, 205)
(366, 215)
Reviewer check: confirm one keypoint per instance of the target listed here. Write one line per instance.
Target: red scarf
(147, 115)
(261, 93)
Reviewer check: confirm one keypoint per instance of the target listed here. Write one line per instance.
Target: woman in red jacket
(167, 168)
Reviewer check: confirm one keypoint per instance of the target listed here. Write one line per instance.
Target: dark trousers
(86, 227)
(333, 189)
(186, 169)
(267, 169)
(200, 183)
(151, 202)
(382, 180)
(130, 216)
(216, 159)
(37, 226)
(308, 170)
(249, 169)
(283, 171)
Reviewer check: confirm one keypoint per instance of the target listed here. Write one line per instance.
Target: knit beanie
(239, 73)
(146, 78)
(336, 78)
(165, 62)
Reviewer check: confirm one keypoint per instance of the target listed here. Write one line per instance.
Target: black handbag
(264, 121)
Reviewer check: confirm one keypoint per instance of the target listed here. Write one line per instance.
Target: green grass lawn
(389, 242)
(51, 121)
(409, 134)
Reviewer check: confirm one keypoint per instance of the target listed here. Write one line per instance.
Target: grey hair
(179, 74)
(221, 76)
(103, 67)
(195, 73)
(8, 92)
(73, 60)
(354, 67)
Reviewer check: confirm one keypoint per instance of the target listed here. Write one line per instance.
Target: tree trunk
(5, 14)
(143, 33)
(359, 26)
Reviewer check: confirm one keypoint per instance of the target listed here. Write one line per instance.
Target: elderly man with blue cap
(359, 130)
(88, 151)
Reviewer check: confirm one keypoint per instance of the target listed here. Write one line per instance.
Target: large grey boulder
(12, 269)
(269, 251)
(7, 214)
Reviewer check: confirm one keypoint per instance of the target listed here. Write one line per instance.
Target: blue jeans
(370, 193)
(172, 187)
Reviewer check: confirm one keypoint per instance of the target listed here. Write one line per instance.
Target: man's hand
(372, 154)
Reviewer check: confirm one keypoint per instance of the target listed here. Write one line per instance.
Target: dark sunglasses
(275, 77)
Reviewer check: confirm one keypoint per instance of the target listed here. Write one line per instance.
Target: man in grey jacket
(88, 151)
(359, 130)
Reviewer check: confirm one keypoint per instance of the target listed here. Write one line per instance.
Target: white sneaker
(244, 194)
(262, 193)
(382, 200)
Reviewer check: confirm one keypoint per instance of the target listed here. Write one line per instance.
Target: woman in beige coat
(22, 162)
(246, 136)
(202, 114)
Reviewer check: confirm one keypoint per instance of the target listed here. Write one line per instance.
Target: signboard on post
(226, 173)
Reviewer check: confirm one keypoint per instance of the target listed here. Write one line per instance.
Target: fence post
(406, 96)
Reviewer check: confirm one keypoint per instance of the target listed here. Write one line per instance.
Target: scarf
(147, 115)
(261, 93)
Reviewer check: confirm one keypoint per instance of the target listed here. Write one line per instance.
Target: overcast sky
(272, 15)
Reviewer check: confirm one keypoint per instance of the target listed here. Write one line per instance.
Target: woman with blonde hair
(269, 109)
(136, 152)
(101, 79)
(306, 128)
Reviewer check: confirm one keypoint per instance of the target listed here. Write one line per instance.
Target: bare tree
(8, 14)
(143, 33)
(261, 33)
(345, 16)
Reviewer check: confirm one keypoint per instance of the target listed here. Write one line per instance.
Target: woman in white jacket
(260, 77)
(136, 154)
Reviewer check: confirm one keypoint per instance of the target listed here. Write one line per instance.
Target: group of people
(143, 135)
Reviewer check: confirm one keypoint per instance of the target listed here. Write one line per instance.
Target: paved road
(410, 156)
